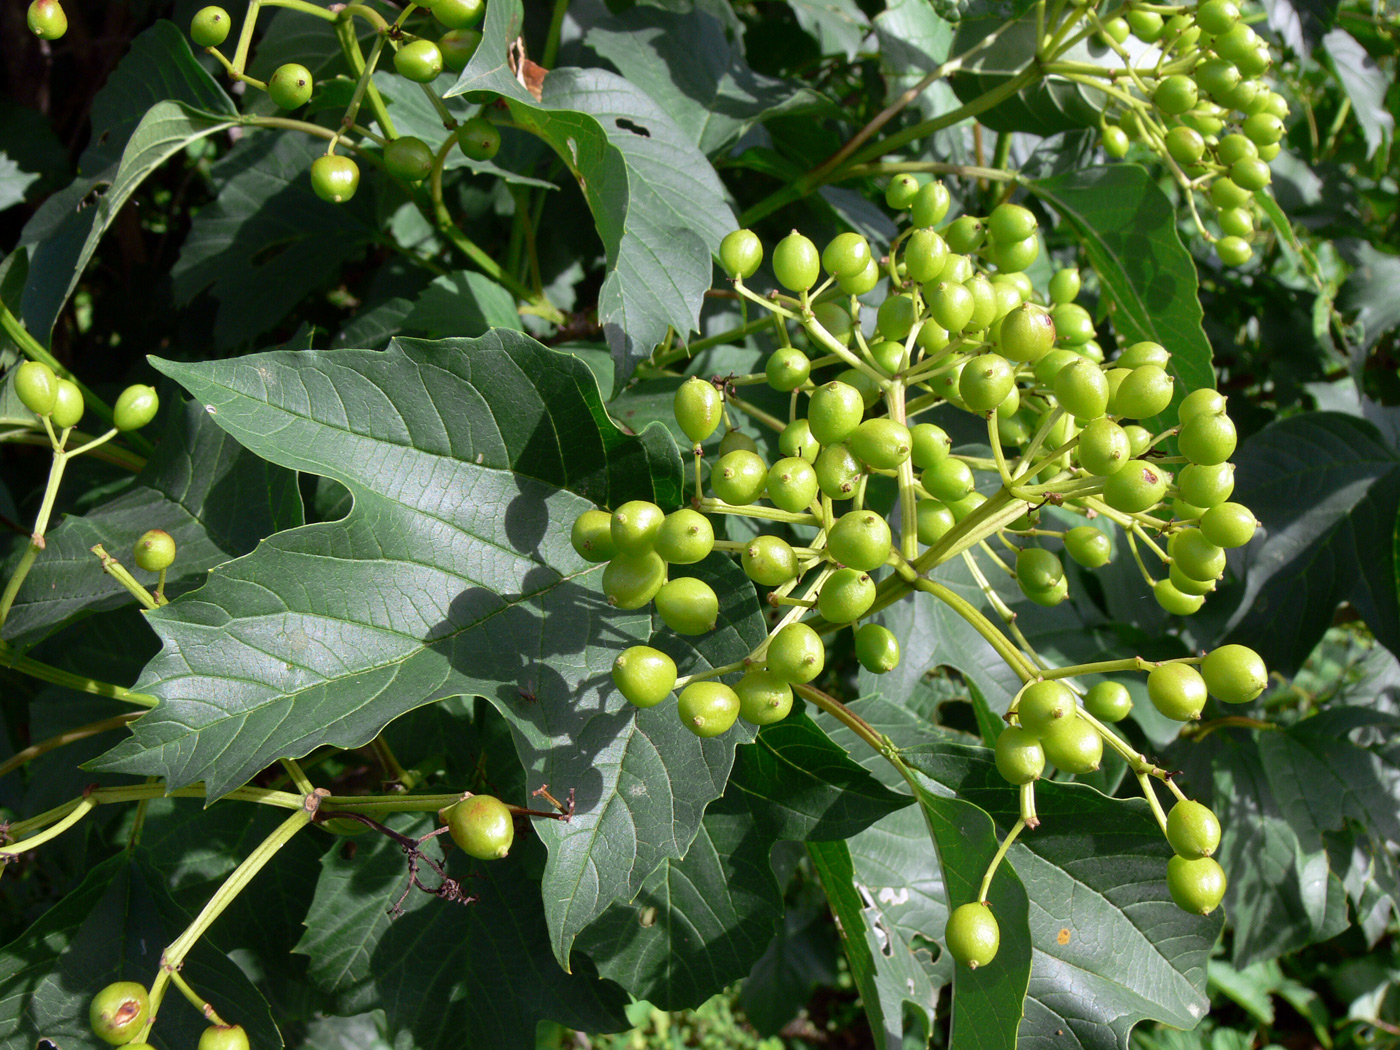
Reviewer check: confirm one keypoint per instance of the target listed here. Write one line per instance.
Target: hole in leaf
(633, 127)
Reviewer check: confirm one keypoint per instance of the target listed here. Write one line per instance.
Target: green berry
(934, 521)
(1228, 525)
(1147, 26)
(223, 1037)
(37, 387)
(1038, 568)
(635, 525)
(864, 282)
(482, 826)
(787, 369)
(1139, 439)
(925, 255)
(950, 305)
(1108, 701)
(1185, 145)
(796, 440)
(1207, 439)
(592, 536)
(868, 387)
(1196, 556)
(1174, 600)
(1065, 285)
(1019, 756)
(1177, 690)
(846, 595)
(630, 581)
(1011, 222)
(957, 269)
(1073, 325)
(796, 654)
(68, 409)
(836, 319)
(860, 540)
(1217, 16)
(877, 648)
(986, 381)
(335, 178)
(796, 263)
(930, 204)
(888, 356)
(1236, 222)
(1197, 886)
(741, 254)
(1233, 251)
(834, 412)
(645, 676)
(1175, 94)
(838, 472)
(1206, 486)
(972, 935)
(408, 158)
(210, 26)
(739, 478)
(698, 407)
(1073, 745)
(1082, 389)
(895, 317)
(478, 139)
(1224, 193)
(119, 1012)
(1186, 585)
(1144, 392)
(1115, 141)
(900, 193)
(1138, 486)
(457, 47)
(47, 20)
(1044, 705)
(792, 484)
(155, 550)
(1234, 674)
(948, 481)
(1103, 447)
(688, 606)
(685, 537)
(136, 406)
(419, 61)
(929, 445)
(459, 14)
(1015, 256)
(708, 708)
(1250, 175)
(846, 255)
(1217, 77)
(1088, 546)
(290, 86)
(769, 561)
(1263, 129)
(1027, 334)
(764, 698)
(1192, 830)
(965, 234)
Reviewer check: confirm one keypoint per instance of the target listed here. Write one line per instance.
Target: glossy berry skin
(685, 537)
(1236, 222)
(796, 654)
(1204, 401)
(47, 20)
(37, 387)
(838, 472)
(1234, 674)
(877, 648)
(930, 204)
(925, 254)
(408, 158)
(764, 698)
(1185, 145)
(741, 254)
(479, 139)
(419, 61)
(68, 408)
(1073, 745)
(459, 14)
(769, 561)
(1217, 16)
(1015, 256)
(136, 406)
(972, 935)
(482, 826)
(223, 1037)
(632, 580)
(1019, 756)
(154, 551)
(834, 412)
(899, 194)
(1027, 334)
(864, 282)
(1197, 886)
(1045, 705)
(1174, 600)
(846, 595)
(1144, 392)
(1206, 487)
(1207, 439)
(948, 481)
(860, 540)
(951, 305)
(792, 484)
(1175, 94)
(457, 47)
(929, 445)
(787, 369)
(1088, 546)
(688, 606)
(708, 708)
(1115, 141)
(1229, 525)
(1011, 222)
(1065, 285)
(119, 1012)
(635, 525)
(645, 676)
(290, 86)
(1192, 830)
(965, 234)
(210, 26)
(698, 407)
(1177, 690)
(895, 317)
(1038, 568)
(986, 382)
(1196, 556)
(591, 536)
(836, 319)
(739, 478)
(881, 443)
(1139, 486)
(335, 178)
(796, 264)
(1263, 129)
(846, 255)
(1082, 388)
(1108, 701)
(1103, 447)
(933, 521)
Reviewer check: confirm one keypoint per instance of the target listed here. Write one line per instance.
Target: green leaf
(464, 303)
(1327, 487)
(693, 68)
(453, 575)
(801, 957)
(1369, 291)
(914, 41)
(268, 240)
(1128, 228)
(449, 975)
(1365, 84)
(214, 498)
(837, 25)
(113, 927)
(14, 181)
(657, 203)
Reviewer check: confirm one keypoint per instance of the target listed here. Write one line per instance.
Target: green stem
(845, 716)
(302, 6)
(1145, 782)
(9, 658)
(362, 83)
(551, 40)
(196, 1000)
(245, 36)
(350, 48)
(53, 743)
(299, 778)
(83, 807)
(997, 859)
(118, 572)
(983, 626)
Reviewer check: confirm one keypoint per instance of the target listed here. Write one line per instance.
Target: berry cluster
(1202, 105)
(959, 326)
(58, 402)
(335, 177)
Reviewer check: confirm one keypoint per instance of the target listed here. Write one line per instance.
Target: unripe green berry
(119, 1011)
(1115, 141)
(1174, 600)
(47, 20)
(1234, 674)
(838, 472)
(630, 581)
(68, 409)
(1044, 705)
(334, 178)
(708, 708)
(769, 561)
(965, 234)
(459, 14)
(846, 595)
(792, 484)
(408, 158)
(764, 698)
(860, 540)
(1073, 745)
(457, 47)
(592, 536)
(1138, 486)
(290, 86)
(136, 406)
(986, 381)
(900, 193)
(1038, 568)
(1192, 830)
(1197, 886)
(210, 26)
(1015, 256)
(877, 648)
(155, 550)
(1019, 756)
(739, 478)
(1011, 222)
(836, 319)
(925, 255)
(934, 521)
(1108, 701)
(1103, 447)
(688, 606)
(1195, 555)
(419, 61)
(223, 1037)
(1228, 525)
(1177, 690)
(796, 654)
(1207, 439)
(1082, 389)
(948, 481)
(834, 412)
(1088, 546)
(796, 440)
(972, 935)
(741, 254)
(685, 537)
(698, 407)
(37, 387)
(787, 369)
(929, 444)
(796, 263)
(1065, 285)
(1206, 486)
(479, 139)
(482, 826)
(645, 676)
(846, 255)
(930, 204)
(635, 525)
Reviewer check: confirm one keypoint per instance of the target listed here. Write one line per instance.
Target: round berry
(210, 26)
(459, 14)
(1144, 392)
(1233, 251)
(1207, 439)
(860, 540)
(1177, 690)
(888, 356)
(796, 263)
(1019, 756)
(787, 369)
(877, 648)
(933, 520)
(1228, 525)
(930, 204)
(1044, 705)
(1174, 600)
(635, 525)
(1103, 447)
(1185, 145)
(698, 407)
(796, 441)
(741, 254)
(1088, 546)
(948, 481)
(1115, 141)
(769, 561)
(792, 484)
(1108, 701)
(834, 412)
(986, 381)
(1175, 94)
(408, 158)
(154, 551)
(685, 537)
(1038, 568)
(1263, 129)
(645, 676)
(119, 1012)
(482, 826)
(47, 20)
(1073, 745)
(1197, 886)
(1236, 222)
(1011, 222)
(1049, 366)
(899, 194)
(846, 595)
(708, 708)
(688, 606)
(1027, 333)
(846, 255)
(1082, 388)
(1192, 830)
(895, 317)
(68, 408)
(1234, 674)
(764, 698)
(736, 441)
(335, 178)
(457, 47)
(972, 935)
(1204, 401)
(1217, 77)
(836, 319)
(1073, 325)
(1147, 26)
(929, 445)
(1217, 16)
(1047, 596)
(1015, 256)
(419, 61)
(37, 387)
(739, 478)
(965, 234)
(925, 255)
(631, 580)
(223, 1037)
(1064, 285)
(478, 139)
(838, 472)
(1202, 486)
(290, 86)
(1139, 486)
(862, 283)
(136, 406)
(951, 305)
(796, 654)
(1196, 556)
(1186, 585)
(592, 536)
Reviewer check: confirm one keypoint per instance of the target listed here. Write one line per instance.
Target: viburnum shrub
(554, 658)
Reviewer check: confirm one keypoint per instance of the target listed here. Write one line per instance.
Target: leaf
(1369, 291)
(702, 921)
(693, 67)
(837, 25)
(657, 203)
(268, 240)
(1326, 486)
(1129, 231)
(450, 975)
(1300, 23)
(114, 927)
(801, 957)
(14, 182)
(453, 575)
(214, 498)
(464, 303)
(1365, 84)
(914, 41)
